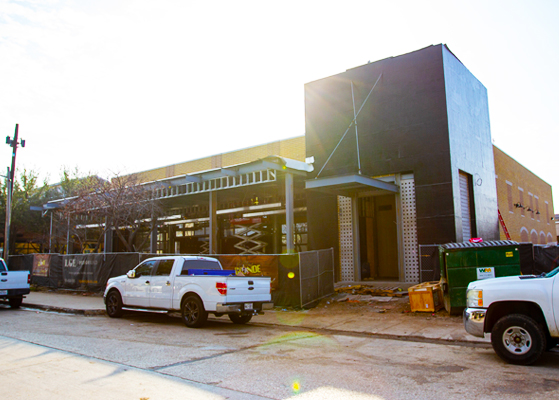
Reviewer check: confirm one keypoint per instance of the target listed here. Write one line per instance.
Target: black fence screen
(429, 263)
(546, 258)
(74, 271)
(298, 280)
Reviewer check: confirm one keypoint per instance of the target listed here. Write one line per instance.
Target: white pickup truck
(13, 285)
(193, 285)
(520, 312)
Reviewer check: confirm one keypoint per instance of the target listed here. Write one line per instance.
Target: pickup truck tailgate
(242, 289)
(14, 280)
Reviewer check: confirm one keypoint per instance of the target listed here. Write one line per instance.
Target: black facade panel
(438, 229)
(322, 216)
(402, 127)
(434, 200)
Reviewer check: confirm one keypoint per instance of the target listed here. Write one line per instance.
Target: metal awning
(350, 185)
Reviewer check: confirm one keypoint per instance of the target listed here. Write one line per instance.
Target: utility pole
(9, 189)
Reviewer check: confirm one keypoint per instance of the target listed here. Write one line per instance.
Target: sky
(121, 86)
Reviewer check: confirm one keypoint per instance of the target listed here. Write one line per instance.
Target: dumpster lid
(491, 243)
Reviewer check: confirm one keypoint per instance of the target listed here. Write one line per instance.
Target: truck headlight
(474, 298)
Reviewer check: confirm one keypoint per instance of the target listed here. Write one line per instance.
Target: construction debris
(362, 297)
(371, 290)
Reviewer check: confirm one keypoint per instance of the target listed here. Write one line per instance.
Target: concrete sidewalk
(330, 316)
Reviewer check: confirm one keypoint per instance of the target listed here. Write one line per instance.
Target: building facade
(406, 141)
(525, 202)
(397, 153)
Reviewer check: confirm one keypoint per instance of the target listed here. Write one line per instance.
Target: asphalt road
(153, 356)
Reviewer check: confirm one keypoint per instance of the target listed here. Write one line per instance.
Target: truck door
(137, 288)
(160, 287)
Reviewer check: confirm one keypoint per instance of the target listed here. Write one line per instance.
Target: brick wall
(525, 202)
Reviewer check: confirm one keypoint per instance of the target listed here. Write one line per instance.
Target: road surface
(154, 356)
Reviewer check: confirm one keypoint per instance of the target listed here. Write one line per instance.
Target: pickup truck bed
(13, 285)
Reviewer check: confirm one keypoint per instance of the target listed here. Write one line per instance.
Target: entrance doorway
(378, 233)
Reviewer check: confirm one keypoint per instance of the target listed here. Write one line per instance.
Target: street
(154, 356)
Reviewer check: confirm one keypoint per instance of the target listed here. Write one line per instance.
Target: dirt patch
(342, 303)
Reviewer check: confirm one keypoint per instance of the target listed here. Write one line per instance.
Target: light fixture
(519, 205)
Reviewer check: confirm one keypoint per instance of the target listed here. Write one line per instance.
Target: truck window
(199, 264)
(3, 265)
(164, 267)
(145, 268)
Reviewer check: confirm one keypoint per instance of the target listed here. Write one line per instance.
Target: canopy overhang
(351, 185)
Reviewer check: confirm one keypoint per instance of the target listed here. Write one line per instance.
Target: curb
(389, 336)
(64, 310)
(411, 338)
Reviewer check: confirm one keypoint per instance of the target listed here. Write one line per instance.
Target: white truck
(520, 312)
(13, 285)
(195, 286)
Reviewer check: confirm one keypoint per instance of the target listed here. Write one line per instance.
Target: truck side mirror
(131, 274)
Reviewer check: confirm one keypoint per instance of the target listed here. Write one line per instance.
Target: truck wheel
(114, 304)
(240, 318)
(15, 302)
(193, 313)
(518, 339)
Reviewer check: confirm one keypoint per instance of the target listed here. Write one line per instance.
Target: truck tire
(193, 313)
(114, 304)
(518, 339)
(15, 302)
(240, 319)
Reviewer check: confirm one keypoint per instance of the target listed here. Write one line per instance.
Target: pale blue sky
(124, 86)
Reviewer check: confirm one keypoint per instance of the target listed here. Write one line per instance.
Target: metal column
(50, 233)
(69, 250)
(356, 238)
(153, 238)
(108, 236)
(277, 235)
(213, 223)
(289, 213)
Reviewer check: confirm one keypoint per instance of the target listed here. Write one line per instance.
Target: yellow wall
(293, 148)
(516, 184)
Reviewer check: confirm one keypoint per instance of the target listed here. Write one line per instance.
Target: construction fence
(298, 280)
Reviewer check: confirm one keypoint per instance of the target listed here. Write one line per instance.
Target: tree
(26, 226)
(122, 204)
(72, 183)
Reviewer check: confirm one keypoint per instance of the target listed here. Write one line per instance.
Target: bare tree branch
(128, 206)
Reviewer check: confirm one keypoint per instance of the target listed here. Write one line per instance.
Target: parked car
(13, 285)
(520, 312)
(195, 286)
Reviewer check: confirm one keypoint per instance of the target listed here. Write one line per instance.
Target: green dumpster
(462, 263)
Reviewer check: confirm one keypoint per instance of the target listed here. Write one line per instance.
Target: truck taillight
(221, 287)
(29, 278)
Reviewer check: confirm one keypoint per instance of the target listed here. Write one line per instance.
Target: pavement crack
(210, 357)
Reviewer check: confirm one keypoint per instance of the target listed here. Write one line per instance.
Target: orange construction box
(426, 296)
